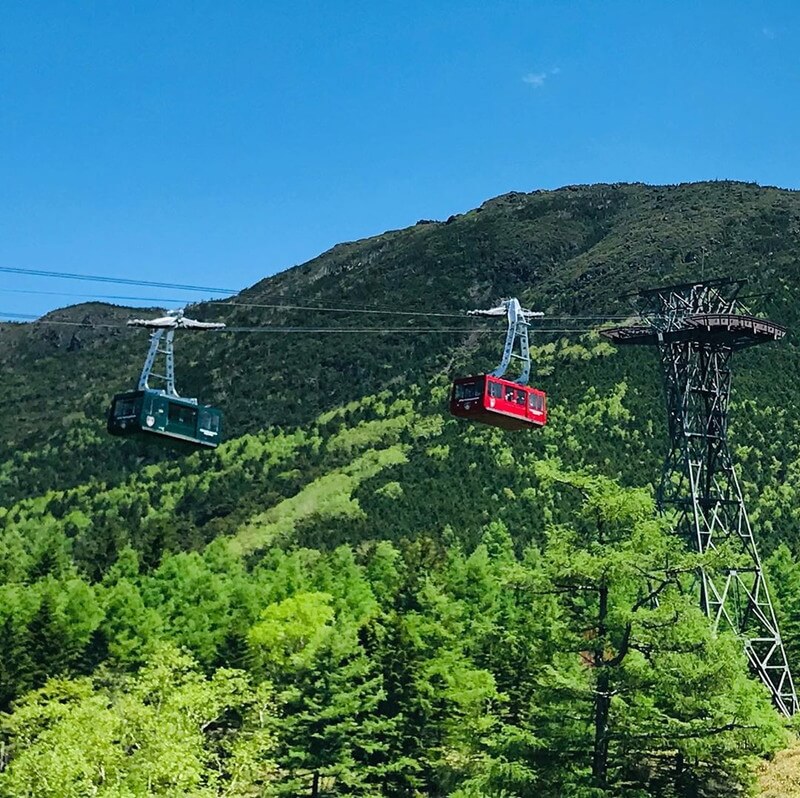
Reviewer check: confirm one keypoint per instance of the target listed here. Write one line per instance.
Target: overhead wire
(72, 295)
(284, 306)
(381, 311)
(131, 281)
(34, 320)
(371, 311)
(385, 330)
(235, 304)
(31, 319)
(95, 278)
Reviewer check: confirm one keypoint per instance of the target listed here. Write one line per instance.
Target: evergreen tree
(642, 692)
(327, 692)
(783, 570)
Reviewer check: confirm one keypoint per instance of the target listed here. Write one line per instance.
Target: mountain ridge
(579, 250)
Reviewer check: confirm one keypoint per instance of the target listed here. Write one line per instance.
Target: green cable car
(149, 412)
(154, 413)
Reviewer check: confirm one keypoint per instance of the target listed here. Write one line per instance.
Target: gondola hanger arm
(516, 337)
(175, 320)
(161, 343)
(504, 309)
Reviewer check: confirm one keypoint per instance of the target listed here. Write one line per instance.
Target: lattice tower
(697, 327)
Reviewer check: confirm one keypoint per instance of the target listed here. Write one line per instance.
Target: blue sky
(217, 143)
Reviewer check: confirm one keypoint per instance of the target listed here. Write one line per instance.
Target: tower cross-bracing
(697, 327)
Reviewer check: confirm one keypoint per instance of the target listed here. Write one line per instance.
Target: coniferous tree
(327, 692)
(783, 570)
(642, 691)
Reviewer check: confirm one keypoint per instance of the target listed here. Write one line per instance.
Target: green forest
(358, 595)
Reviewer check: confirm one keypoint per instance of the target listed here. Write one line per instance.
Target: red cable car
(499, 402)
(493, 398)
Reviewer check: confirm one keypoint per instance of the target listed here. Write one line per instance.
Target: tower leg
(700, 484)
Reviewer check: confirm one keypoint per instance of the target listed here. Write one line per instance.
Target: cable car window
(209, 422)
(520, 397)
(509, 393)
(536, 402)
(495, 389)
(125, 408)
(181, 414)
(467, 390)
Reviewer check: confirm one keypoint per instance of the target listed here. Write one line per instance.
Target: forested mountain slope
(578, 250)
(359, 595)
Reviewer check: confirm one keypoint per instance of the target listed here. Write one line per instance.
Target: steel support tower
(697, 327)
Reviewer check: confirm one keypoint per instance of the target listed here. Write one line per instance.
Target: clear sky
(215, 143)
